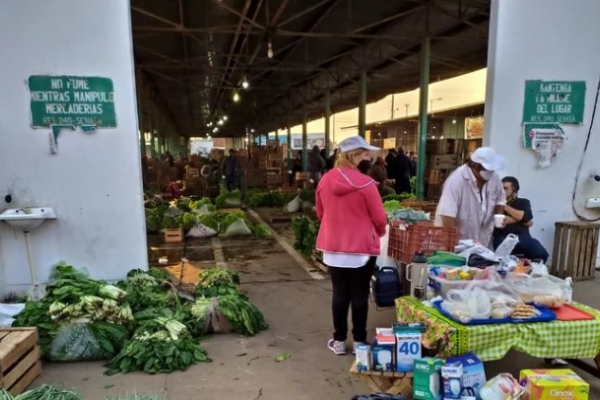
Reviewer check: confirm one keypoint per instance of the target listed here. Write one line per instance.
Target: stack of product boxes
(398, 349)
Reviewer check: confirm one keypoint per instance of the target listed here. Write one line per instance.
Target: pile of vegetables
(204, 202)
(160, 344)
(76, 305)
(227, 199)
(400, 197)
(408, 215)
(391, 205)
(220, 308)
(305, 232)
(273, 198)
(44, 392)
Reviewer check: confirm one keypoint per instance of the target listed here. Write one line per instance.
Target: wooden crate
(575, 248)
(173, 235)
(393, 383)
(19, 358)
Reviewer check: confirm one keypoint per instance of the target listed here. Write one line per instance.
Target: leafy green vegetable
(205, 201)
(228, 218)
(228, 199)
(159, 274)
(282, 357)
(170, 223)
(391, 205)
(305, 232)
(308, 195)
(188, 220)
(274, 198)
(44, 392)
(217, 281)
(400, 197)
(210, 221)
(244, 317)
(260, 231)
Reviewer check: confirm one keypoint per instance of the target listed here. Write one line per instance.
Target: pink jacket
(351, 213)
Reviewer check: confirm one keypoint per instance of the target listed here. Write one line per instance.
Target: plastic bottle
(418, 275)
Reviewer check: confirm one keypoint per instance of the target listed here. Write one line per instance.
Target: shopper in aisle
(330, 163)
(378, 173)
(229, 171)
(389, 161)
(352, 221)
(472, 195)
(402, 168)
(519, 218)
(316, 165)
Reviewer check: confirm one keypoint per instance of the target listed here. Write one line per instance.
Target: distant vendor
(519, 219)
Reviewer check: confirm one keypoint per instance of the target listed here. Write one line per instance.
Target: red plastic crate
(406, 240)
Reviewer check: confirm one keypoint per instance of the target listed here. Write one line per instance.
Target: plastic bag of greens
(173, 211)
(204, 210)
(208, 317)
(237, 228)
(75, 341)
(294, 205)
(201, 231)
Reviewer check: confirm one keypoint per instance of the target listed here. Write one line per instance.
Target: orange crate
(406, 240)
(173, 235)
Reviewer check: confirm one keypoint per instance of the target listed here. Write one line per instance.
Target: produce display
(227, 199)
(217, 282)
(273, 198)
(200, 219)
(78, 318)
(45, 392)
(305, 232)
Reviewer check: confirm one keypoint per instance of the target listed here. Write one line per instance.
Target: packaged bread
(549, 301)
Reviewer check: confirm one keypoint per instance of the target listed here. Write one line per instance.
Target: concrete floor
(297, 309)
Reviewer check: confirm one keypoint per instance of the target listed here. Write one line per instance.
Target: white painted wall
(547, 40)
(94, 182)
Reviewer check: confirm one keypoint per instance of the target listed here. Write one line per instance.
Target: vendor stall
(556, 339)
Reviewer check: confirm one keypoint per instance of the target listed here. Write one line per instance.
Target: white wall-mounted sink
(27, 219)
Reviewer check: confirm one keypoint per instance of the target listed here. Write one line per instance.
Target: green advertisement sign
(560, 102)
(76, 101)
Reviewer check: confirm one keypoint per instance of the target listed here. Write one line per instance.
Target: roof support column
(327, 115)
(423, 102)
(152, 134)
(304, 141)
(362, 104)
(141, 121)
(289, 146)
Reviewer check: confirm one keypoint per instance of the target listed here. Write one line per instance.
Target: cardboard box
(473, 371)
(554, 384)
(427, 379)
(383, 353)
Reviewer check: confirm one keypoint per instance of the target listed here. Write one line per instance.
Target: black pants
(351, 287)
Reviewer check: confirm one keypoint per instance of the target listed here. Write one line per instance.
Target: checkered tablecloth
(557, 339)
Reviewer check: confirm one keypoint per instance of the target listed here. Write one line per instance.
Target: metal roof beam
(243, 15)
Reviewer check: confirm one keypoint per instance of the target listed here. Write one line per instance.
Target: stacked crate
(443, 157)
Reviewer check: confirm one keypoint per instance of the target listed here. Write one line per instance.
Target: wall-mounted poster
(474, 127)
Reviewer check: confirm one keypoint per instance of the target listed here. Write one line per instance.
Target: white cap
(488, 158)
(355, 143)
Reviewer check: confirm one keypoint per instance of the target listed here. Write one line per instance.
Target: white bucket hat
(488, 157)
(355, 143)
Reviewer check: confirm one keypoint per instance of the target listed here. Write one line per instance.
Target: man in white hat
(472, 195)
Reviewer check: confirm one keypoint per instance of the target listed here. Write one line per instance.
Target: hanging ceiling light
(209, 124)
(220, 122)
(225, 118)
(270, 50)
(245, 83)
(216, 129)
(236, 97)
(252, 130)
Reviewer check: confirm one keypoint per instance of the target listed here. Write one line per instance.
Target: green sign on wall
(72, 101)
(560, 102)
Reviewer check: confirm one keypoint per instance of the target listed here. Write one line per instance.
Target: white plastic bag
(384, 260)
(8, 312)
(201, 231)
(294, 205)
(506, 247)
(548, 291)
(238, 228)
(203, 210)
(75, 341)
(467, 305)
(468, 247)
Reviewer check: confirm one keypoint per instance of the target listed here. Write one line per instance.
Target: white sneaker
(355, 346)
(339, 348)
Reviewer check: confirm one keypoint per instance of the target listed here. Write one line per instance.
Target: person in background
(472, 195)
(316, 164)
(378, 173)
(330, 163)
(168, 158)
(414, 162)
(229, 171)
(175, 190)
(402, 168)
(519, 218)
(297, 166)
(352, 221)
(389, 161)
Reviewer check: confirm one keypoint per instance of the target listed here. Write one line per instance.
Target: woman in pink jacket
(352, 221)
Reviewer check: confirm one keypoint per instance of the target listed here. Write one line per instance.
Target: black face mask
(364, 166)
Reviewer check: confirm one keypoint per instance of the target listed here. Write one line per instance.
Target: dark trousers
(528, 247)
(351, 288)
